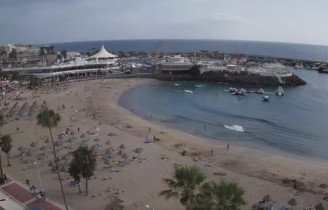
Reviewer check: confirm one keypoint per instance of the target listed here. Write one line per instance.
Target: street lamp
(37, 167)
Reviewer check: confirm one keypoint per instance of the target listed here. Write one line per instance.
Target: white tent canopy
(103, 54)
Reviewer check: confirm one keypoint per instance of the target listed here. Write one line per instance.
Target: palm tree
(75, 173)
(220, 196)
(185, 185)
(6, 146)
(86, 163)
(47, 118)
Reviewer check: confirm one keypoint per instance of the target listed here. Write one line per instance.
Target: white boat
(177, 84)
(241, 92)
(280, 91)
(189, 91)
(233, 90)
(199, 85)
(266, 98)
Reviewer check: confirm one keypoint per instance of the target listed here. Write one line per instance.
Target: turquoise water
(296, 123)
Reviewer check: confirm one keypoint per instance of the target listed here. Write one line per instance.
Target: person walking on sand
(149, 129)
(228, 146)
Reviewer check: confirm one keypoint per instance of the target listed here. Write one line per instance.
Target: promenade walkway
(20, 196)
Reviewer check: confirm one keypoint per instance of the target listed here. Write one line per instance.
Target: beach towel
(271, 207)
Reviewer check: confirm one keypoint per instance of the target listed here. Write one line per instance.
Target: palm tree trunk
(58, 172)
(86, 186)
(79, 188)
(1, 170)
(8, 156)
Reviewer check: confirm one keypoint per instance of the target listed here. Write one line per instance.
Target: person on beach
(78, 129)
(228, 146)
(17, 129)
(212, 152)
(149, 129)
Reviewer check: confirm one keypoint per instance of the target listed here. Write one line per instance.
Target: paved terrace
(18, 197)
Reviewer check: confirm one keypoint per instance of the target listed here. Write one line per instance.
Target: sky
(53, 21)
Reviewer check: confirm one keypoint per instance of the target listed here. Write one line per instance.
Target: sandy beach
(92, 107)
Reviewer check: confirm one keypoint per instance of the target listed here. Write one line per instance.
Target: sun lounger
(110, 157)
(74, 184)
(143, 160)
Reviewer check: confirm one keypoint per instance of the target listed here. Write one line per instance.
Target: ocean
(274, 49)
(295, 123)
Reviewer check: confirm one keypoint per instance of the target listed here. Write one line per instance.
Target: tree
(64, 54)
(185, 185)
(50, 119)
(34, 83)
(220, 196)
(75, 173)
(13, 54)
(6, 146)
(85, 163)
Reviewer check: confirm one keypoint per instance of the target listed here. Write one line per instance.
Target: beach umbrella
(138, 151)
(292, 202)
(122, 146)
(108, 151)
(111, 134)
(125, 156)
(108, 142)
(47, 140)
(119, 152)
(267, 198)
(319, 207)
(82, 136)
(20, 148)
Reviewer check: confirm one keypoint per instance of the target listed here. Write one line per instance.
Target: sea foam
(238, 128)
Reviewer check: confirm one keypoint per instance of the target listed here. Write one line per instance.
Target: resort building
(102, 63)
(174, 65)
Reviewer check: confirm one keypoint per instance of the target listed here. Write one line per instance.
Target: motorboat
(241, 92)
(189, 91)
(280, 91)
(266, 98)
(177, 84)
(261, 91)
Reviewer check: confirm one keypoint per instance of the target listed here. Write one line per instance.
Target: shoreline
(221, 142)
